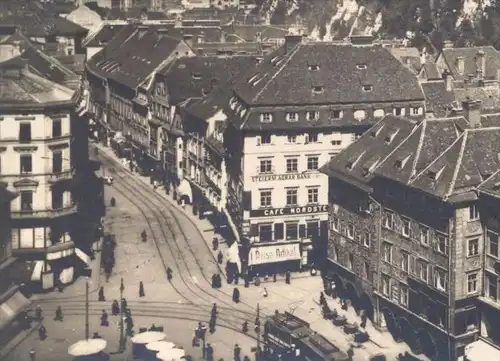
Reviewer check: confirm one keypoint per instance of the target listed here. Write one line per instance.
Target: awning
(83, 256)
(36, 275)
(184, 189)
(9, 309)
(481, 351)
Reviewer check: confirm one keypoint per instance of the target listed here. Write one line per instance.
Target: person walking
(32, 354)
(101, 294)
(214, 309)
(169, 274)
(220, 257)
(59, 314)
(38, 313)
(288, 276)
(210, 352)
(104, 319)
(115, 308)
(215, 243)
(236, 295)
(237, 352)
(42, 332)
(141, 289)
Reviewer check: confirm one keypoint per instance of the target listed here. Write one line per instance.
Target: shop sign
(275, 253)
(280, 177)
(286, 211)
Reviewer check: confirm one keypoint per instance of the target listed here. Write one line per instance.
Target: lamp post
(122, 338)
(87, 309)
(257, 330)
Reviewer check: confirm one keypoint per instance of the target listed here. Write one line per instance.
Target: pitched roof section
(492, 59)
(129, 60)
(103, 36)
(196, 77)
(438, 100)
(360, 159)
(430, 71)
(489, 95)
(319, 73)
(492, 185)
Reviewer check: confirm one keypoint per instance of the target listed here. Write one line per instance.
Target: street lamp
(257, 330)
(201, 334)
(87, 309)
(122, 338)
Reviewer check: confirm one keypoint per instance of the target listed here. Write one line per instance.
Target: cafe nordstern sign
(288, 211)
(280, 177)
(275, 253)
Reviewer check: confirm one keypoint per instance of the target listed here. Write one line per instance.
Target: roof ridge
(487, 179)
(419, 149)
(457, 165)
(93, 34)
(285, 63)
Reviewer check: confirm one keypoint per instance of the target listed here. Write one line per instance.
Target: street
(176, 241)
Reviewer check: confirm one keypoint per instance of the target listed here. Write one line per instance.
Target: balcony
(47, 213)
(61, 176)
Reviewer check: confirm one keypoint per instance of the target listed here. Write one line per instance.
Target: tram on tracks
(288, 332)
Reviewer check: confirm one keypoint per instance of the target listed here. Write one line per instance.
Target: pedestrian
(169, 273)
(257, 280)
(144, 235)
(128, 312)
(141, 289)
(322, 299)
(219, 280)
(214, 281)
(112, 202)
(215, 243)
(210, 352)
(266, 278)
(288, 275)
(274, 277)
(350, 352)
(101, 294)
(244, 327)
(39, 313)
(104, 319)
(59, 314)
(211, 325)
(42, 332)
(363, 318)
(96, 335)
(247, 280)
(237, 352)
(236, 295)
(265, 294)
(32, 354)
(124, 304)
(115, 308)
(214, 309)
(220, 257)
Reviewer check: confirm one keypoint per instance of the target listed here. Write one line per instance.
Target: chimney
(480, 64)
(460, 65)
(9, 51)
(448, 81)
(472, 112)
(188, 38)
(291, 41)
(448, 44)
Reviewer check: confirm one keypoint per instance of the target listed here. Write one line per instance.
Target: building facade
(277, 196)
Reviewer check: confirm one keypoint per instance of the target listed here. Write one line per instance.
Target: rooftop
(103, 35)
(492, 61)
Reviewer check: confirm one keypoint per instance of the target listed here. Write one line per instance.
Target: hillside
(423, 22)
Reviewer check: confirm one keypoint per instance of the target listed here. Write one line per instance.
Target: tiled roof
(343, 73)
(103, 36)
(489, 95)
(250, 32)
(226, 48)
(211, 104)
(407, 55)
(129, 60)
(198, 76)
(491, 55)
(437, 99)
(431, 71)
(492, 185)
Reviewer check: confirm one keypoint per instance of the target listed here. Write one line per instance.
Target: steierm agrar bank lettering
(286, 211)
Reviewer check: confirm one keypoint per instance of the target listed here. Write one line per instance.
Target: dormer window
(253, 78)
(361, 66)
(352, 163)
(292, 117)
(266, 118)
(416, 110)
(399, 111)
(312, 115)
(318, 89)
(434, 172)
(196, 76)
(337, 114)
(313, 67)
(367, 88)
(375, 133)
(388, 139)
(400, 163)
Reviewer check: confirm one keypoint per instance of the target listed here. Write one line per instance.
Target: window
(292, 139)
(26, 200)
(424, 235)
(473, 247)
(317, 89)
(403, 294)
(337, 142)
(312, 163)
(291, 165)
(388, 220)
(292, 117)
(57, 162)
(423, 272)
(57, 199)
(337, 114)
(26, 163)
(472, 283)
(265, 198)
(312, 138)
(266, 166)
(406, 227)
(367, 88)
(493, 243)
(56, 128)
(359, 114)
(312, 115)
(378, 113)
(312, 195)
(473, 213)
(399, 111)
(492, 287)
(266, 118)
(350, 231)
(265, 139)
(292, 231)
(366, 239)
(291, 197)
(265, 232)
(350, 261)
(313, 67)
(440, 281)
(361, 66)
(386, 285)
(334, 223)
(405, 262)
(416, 110)
(25, 132)
(441, 244)
(312, 229)
(387, 252)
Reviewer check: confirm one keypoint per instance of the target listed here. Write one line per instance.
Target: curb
(16, 341)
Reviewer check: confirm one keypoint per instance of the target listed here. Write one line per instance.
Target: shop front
(268, 259)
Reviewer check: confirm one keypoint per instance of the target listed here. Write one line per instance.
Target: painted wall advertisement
(274, 253)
